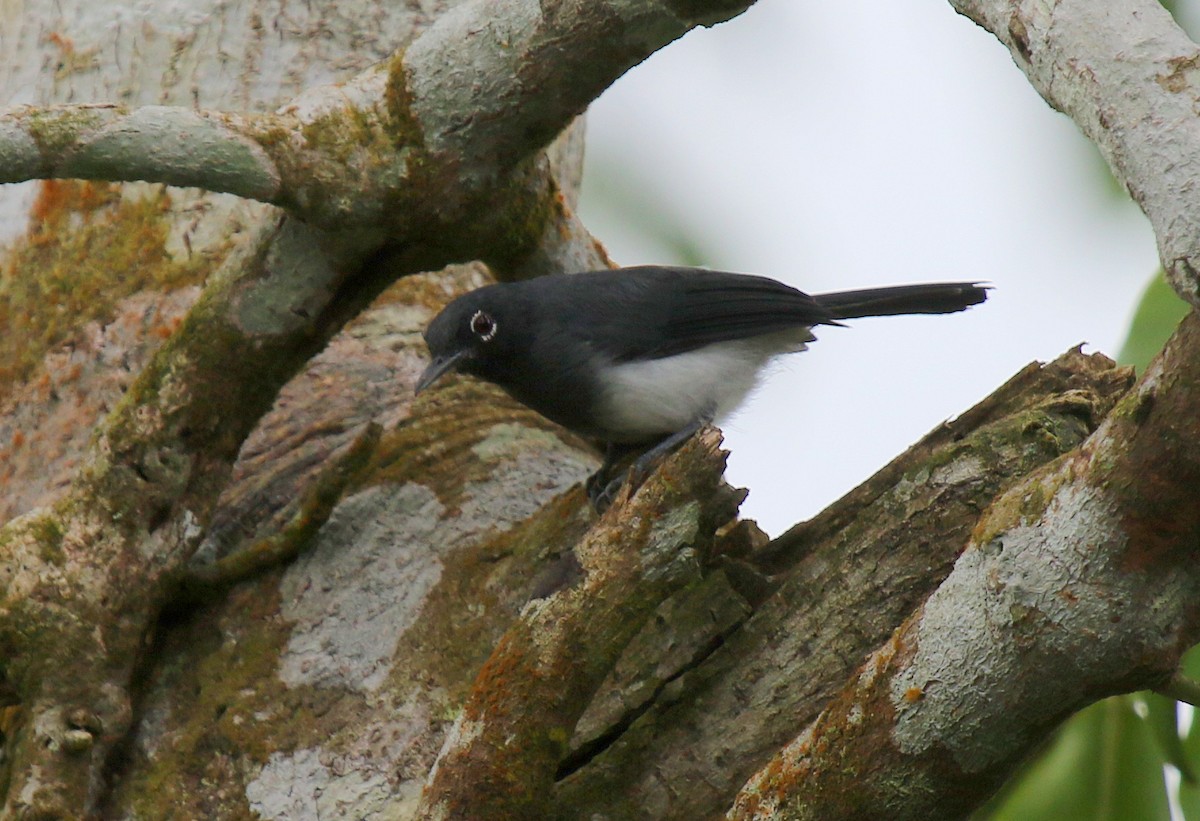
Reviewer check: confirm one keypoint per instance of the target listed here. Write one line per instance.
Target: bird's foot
(602, 491)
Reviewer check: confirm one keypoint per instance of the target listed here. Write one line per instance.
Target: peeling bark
(530, 693)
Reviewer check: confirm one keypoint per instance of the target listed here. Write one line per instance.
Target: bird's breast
(647, 399)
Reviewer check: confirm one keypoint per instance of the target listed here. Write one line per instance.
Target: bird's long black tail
(934, 298)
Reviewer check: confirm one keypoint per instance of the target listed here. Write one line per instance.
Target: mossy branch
(839, 586)
(415, 138)
(520, 713)
(1077, 583)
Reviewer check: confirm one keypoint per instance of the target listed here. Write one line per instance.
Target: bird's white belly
(652, 398)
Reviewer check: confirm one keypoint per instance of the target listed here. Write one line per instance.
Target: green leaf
(1189, 665)
(1163, 720)
(1189, 794)
(1103, 765)
(1158, 312)
(1189, 801)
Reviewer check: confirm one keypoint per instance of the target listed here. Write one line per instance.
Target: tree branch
(841, 584)
(524, 705)
(1130, 79)
(372, 162)
(532, 67)
(1078, 583)
(419, 140)
(175, 146)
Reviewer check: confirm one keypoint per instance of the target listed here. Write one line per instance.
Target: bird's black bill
(438, 368)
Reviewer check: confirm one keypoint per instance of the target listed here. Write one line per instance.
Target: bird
(641, 358)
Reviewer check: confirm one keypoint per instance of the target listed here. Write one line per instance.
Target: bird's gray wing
(653, 312)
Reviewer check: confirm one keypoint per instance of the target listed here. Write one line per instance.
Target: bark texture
(244, 574)
(1127, 75)
(833, 589)
(1086, 568)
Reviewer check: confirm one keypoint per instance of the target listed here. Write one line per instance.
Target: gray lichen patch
(268, 304)
(534, 462)
(367, 577)
(662, 552)
(311, 784)
(360, 587)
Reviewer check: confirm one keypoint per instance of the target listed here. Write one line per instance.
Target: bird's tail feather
(935, 298)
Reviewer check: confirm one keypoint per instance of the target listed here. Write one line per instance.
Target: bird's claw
(602, 491)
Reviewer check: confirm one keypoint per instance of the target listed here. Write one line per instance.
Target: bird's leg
(641, 469)
(602, 491)
(597, 484)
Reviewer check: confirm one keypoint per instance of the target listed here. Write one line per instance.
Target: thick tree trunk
(98, 275)
(246, 575)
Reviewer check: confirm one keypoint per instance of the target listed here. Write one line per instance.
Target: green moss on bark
(87, 248)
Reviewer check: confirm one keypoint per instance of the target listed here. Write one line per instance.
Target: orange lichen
(71, 59)
(87, 248)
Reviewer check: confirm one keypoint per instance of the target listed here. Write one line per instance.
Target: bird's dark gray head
(473, 334)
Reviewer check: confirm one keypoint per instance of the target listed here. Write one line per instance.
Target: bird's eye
(483, 326)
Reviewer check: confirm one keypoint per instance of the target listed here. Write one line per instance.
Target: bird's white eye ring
(483, 326)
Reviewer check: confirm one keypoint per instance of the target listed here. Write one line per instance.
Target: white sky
(859, 143)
